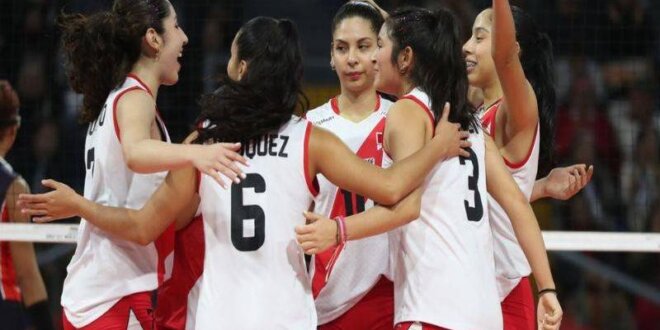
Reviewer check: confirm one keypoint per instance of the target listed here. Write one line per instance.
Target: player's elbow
(142, 239)
(134, 161)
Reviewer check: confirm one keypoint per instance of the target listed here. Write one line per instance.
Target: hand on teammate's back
(60, 203)
(453, 139)
(220, 158)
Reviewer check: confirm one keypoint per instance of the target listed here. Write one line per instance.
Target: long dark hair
(9, 104)
(270, 92)
(358, 9)
(438, 68)
(100, 49)
(537, 62)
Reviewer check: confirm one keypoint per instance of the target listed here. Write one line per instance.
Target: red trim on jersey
(490, 119)
(515, 166)
(424, 107)
(134, 76)
(334, 104)
(188, 267)
(312, 184)
(9, 289)
(164, 245)
(114, 109)
(118, 316)
(198, 180)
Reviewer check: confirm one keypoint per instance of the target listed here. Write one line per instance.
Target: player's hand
(319, 234)
(564, 182)
(220, 159)
(453, 140)
(549, 312)
(60, 203)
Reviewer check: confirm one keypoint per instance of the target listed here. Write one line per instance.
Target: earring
(332, 66)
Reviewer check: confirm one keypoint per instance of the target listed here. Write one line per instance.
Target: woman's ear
(405, 60)
(153, 42)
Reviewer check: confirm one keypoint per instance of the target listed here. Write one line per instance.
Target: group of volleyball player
(421, 215)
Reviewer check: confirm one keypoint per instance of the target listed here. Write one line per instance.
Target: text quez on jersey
(266, 145)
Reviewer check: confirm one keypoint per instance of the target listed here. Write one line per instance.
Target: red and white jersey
(105, 268)
(362, 262)
(255, 275)
(9, 289)
(443, 261)
(510, 262)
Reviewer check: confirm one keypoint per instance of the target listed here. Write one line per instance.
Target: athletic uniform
(254, 270)
(11, 305)
(357, 295)
(110, 280)
(178, 295)
(511, 266)
(443, 261)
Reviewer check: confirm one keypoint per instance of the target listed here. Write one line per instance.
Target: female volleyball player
(443, 262)
(20, 281)
(118, 59)
(254, 272)
(357, 295)
(510, 60)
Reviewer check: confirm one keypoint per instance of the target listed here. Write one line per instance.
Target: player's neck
(148, 77)
(356, 106)
(492, 94)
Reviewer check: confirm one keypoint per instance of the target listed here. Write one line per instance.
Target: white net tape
(554, 240)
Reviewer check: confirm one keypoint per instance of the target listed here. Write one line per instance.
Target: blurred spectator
(640, 180)
(583, 114)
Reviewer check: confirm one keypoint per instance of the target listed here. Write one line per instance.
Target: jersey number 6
(241, 214)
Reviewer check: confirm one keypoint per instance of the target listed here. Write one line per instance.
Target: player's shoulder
(320, 114)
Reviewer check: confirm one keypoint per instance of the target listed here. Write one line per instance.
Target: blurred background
(607, 60)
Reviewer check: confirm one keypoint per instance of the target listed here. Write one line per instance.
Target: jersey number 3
(250, 217)
(476, 212)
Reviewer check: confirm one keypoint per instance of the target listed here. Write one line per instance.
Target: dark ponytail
(270, 92)
(100, 49)
(537, 62)
(438, 67)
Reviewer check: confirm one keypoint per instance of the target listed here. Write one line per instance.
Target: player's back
(254, 271)
(443, 261)
(105, 268)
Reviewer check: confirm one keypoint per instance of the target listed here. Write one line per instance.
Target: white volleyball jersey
(254, 270)
(443, 261)
(363, 261)
(105, 268)
(510, 262)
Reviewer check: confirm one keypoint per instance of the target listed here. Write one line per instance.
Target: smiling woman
(117, 60)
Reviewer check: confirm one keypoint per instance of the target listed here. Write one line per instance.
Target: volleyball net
(554, 240)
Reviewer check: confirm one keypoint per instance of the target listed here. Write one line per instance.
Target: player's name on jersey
(267, 145)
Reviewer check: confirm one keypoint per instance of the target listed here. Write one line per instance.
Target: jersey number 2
(476, 212)
(242, 214)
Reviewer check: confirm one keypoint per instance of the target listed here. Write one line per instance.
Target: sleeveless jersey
(510, 262)
(443, 261)
(255, 275)
(9, 289)
(105, 268)
(363, 261)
